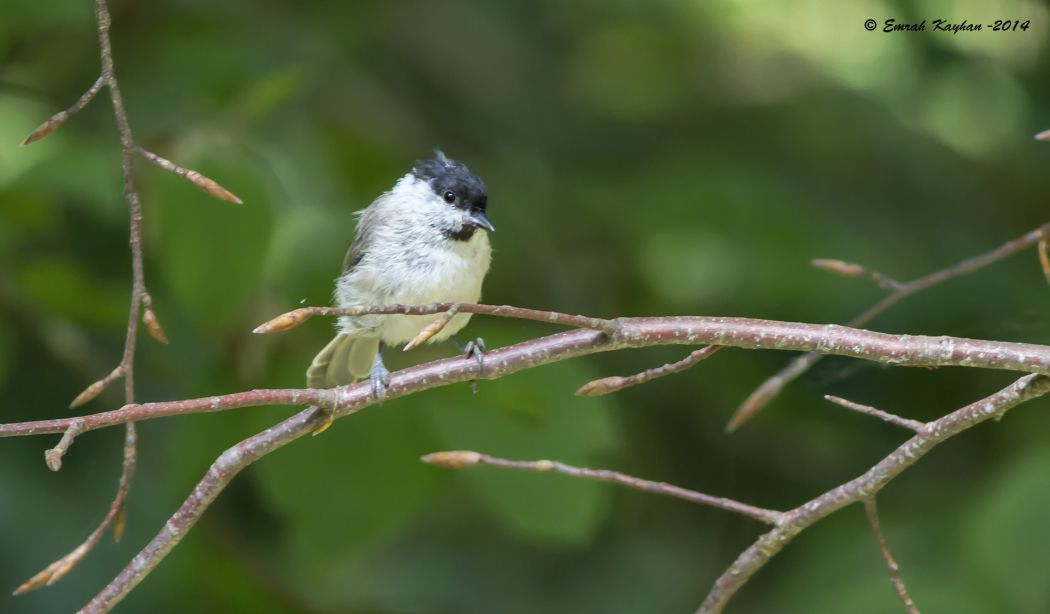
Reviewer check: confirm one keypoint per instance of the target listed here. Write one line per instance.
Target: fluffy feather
(411, 247)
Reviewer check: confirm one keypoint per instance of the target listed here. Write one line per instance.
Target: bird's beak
(478, 219)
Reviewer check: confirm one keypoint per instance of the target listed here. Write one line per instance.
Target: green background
(643, 158)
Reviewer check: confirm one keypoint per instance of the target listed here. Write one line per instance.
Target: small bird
(424, 241)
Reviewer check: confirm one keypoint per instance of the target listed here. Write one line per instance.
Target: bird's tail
(345, 359)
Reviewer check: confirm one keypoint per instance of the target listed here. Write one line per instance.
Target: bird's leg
(380, 376)
(380, 380)
(473, 349)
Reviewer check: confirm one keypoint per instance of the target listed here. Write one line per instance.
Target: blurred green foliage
(643, 158)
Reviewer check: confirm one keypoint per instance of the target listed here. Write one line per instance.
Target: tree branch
(901, 350)
(891, 564)
(460, 459)
(228, 465)
(126, 369)
(593, 335)
(867, 485)
(911, 425)
(625, 333)
(141, 305)
(770, 388)
(606, 385)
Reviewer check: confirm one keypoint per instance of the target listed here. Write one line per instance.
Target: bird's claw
(476, 349)
(380, 379)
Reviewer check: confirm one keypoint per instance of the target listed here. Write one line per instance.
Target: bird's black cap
(447, 175)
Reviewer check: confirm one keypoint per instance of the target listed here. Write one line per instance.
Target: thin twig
(606, 385)
(911, 425)
(851, 269)
(770, 388)
(60, 118)
(138, 285)
(228, 465)
(138, 412)
(867, 485)
(207, 184)
(464, 458)
(115, 515)
(91, 392)
(891, 563)
(53, 457)
(296, 317)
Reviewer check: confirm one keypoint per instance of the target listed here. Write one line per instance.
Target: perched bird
(424, 241)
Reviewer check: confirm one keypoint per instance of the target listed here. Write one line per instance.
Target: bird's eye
(450, 197)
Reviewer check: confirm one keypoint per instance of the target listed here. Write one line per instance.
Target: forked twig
(770, 388)
(126, 369)
(140, 307)
(866, 485)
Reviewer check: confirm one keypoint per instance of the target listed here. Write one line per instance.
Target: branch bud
(46, 128)
(456, 459)
(91, 392)
(424, 335)
(839, 267)
(207, 184)
(53, 459)
(543, 465)
(55, 571)
(601, 386)
(60, 118)
(212, 187)
(153, 326)
(284, 321)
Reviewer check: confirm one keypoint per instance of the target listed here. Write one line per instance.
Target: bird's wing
(362, 239)
(354, 254)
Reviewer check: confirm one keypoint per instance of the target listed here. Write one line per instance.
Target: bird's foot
(380, 378)
(476, 349)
